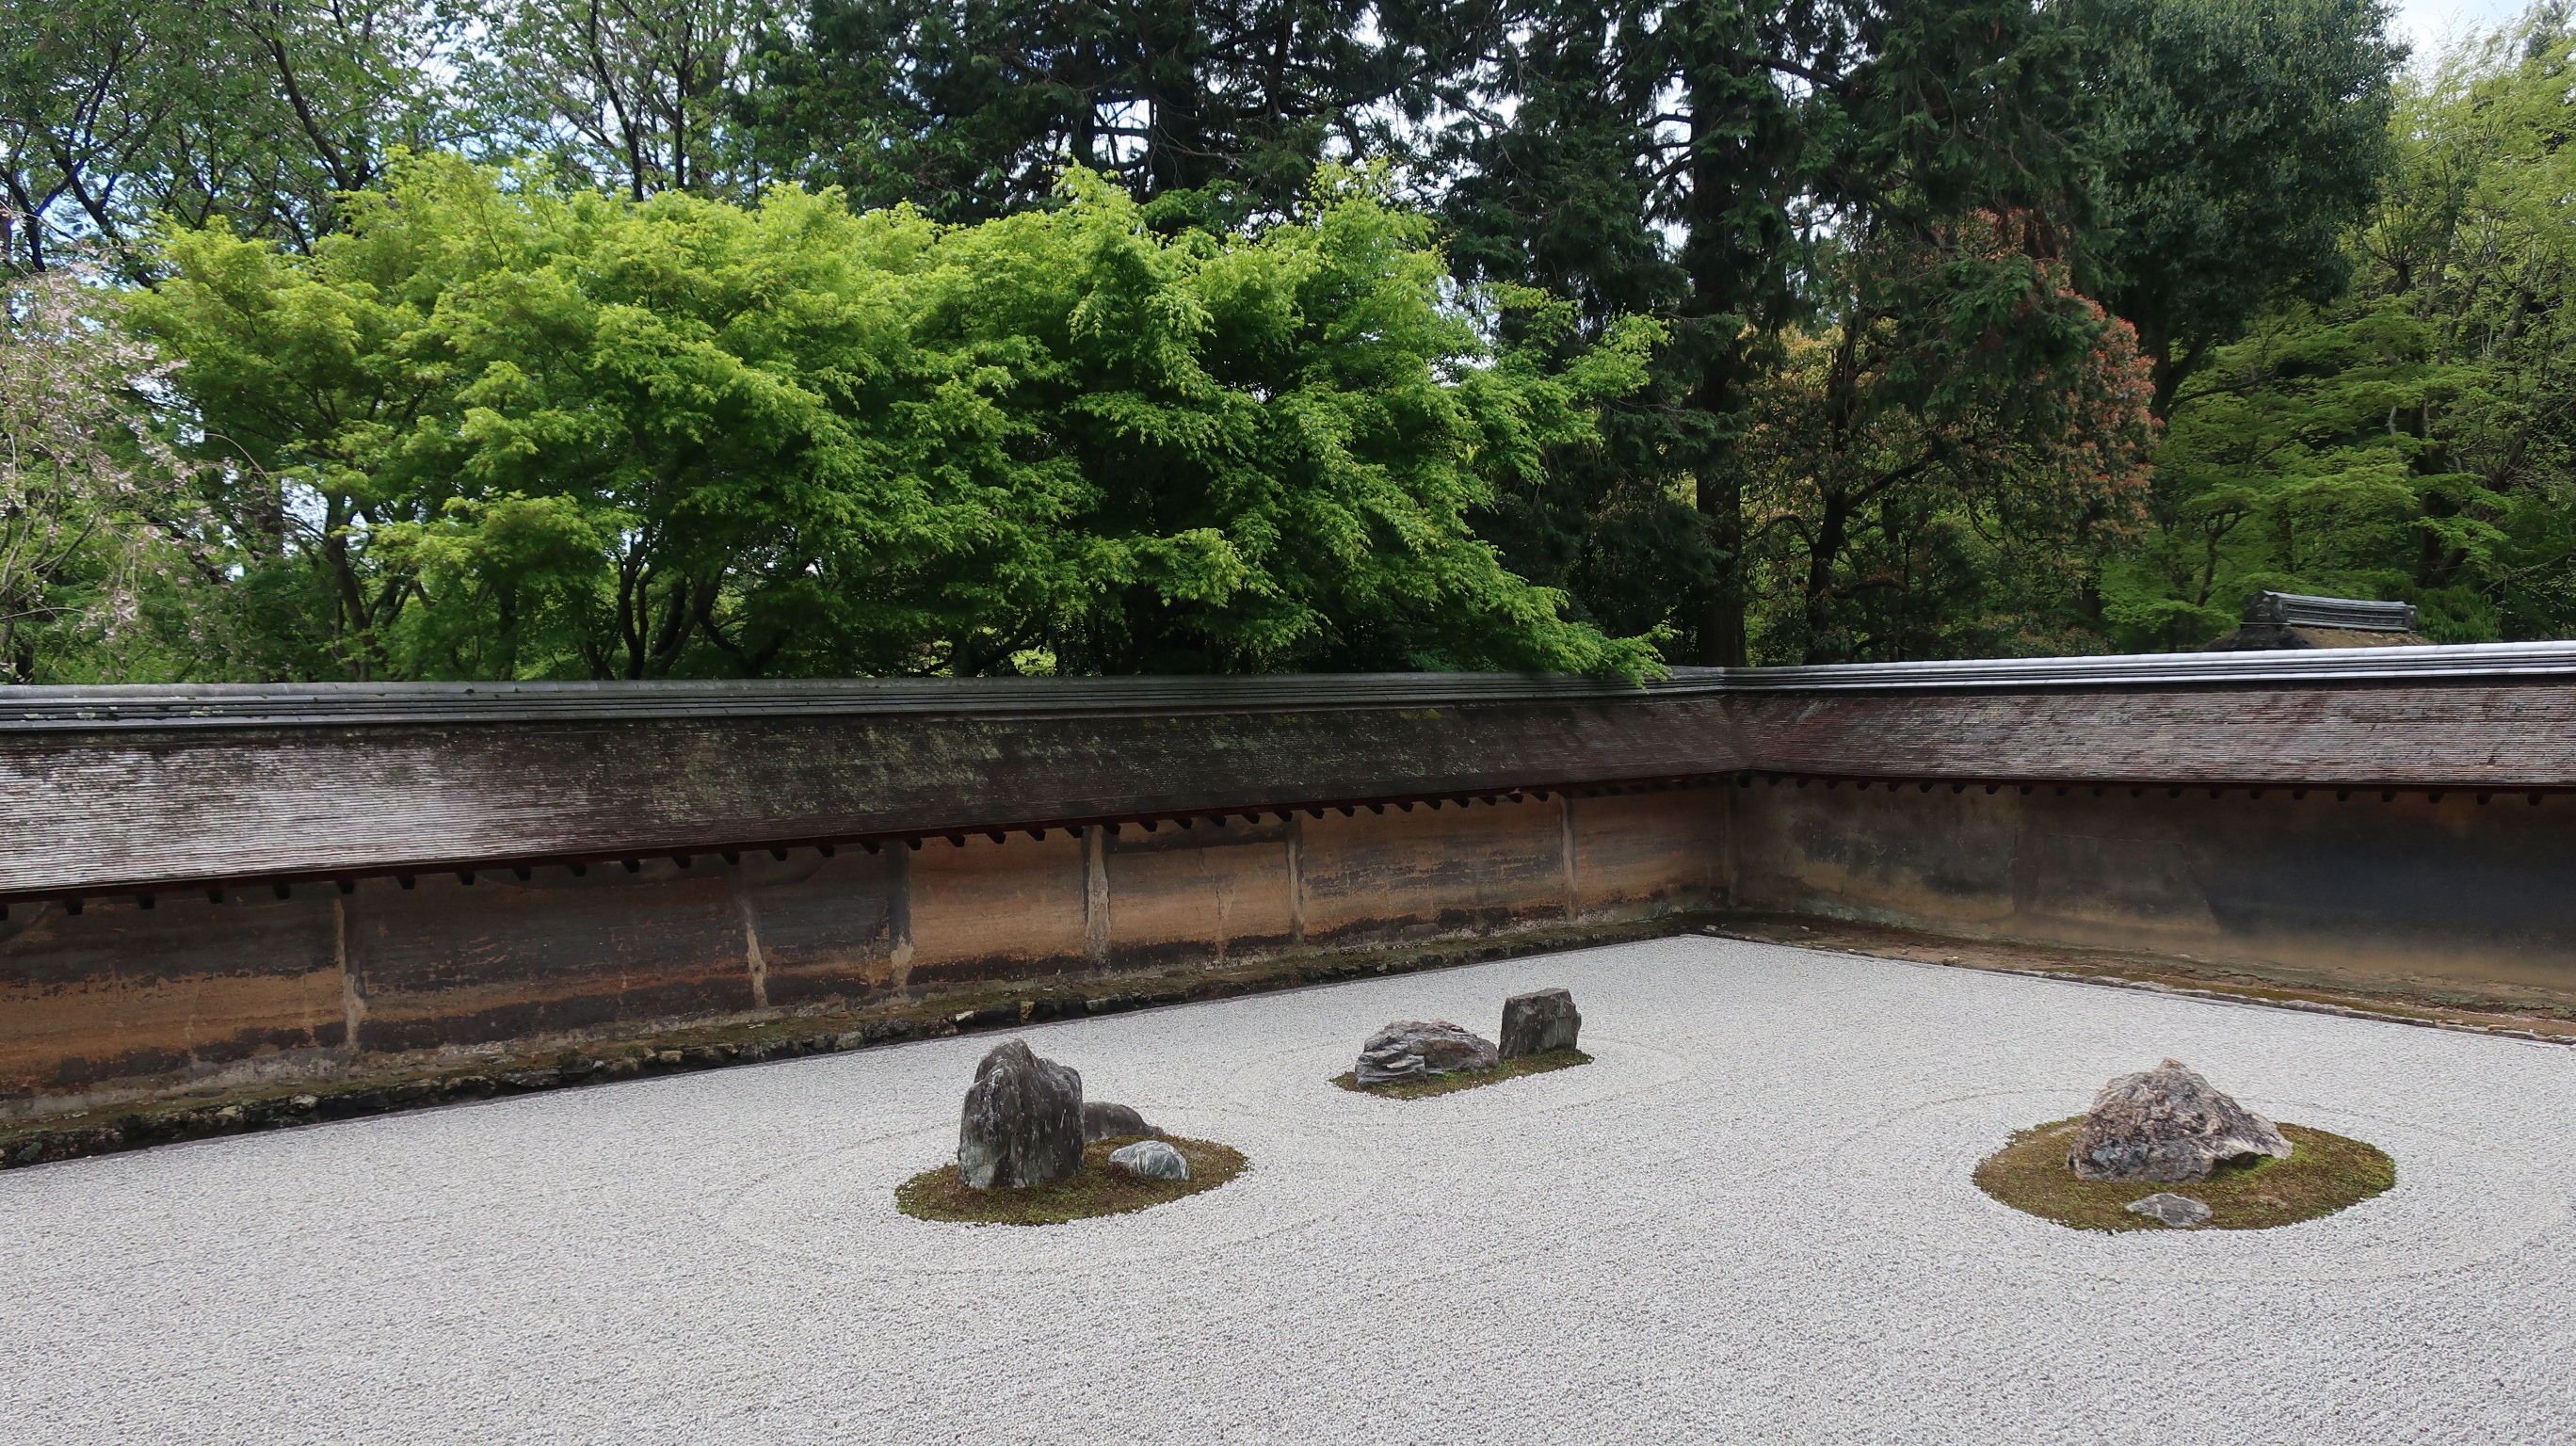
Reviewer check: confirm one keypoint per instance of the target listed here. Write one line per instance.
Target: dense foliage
(642, 338)
(1214, 107)
(515, 433)
(1715, 164)
(2409, 438)
(88, 494)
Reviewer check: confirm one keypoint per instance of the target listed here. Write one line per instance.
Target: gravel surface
(1749, 1220)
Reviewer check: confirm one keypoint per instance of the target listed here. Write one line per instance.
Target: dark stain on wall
(2406, 888)
(996, 910)
(827, 927)
(119, 990)
(1407, 874)
(1199, 894)
(448, 963)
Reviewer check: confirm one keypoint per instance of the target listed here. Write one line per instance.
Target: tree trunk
(1719, 608)
(1723, 272)
(1176, 150)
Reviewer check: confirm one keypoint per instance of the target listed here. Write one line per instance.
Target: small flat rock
(2170, 1208)
(1101, 1120)
(2168, 1124)
(1152, 1159)
(1416, 1048)
(1022, 1124)
(1539, 1021)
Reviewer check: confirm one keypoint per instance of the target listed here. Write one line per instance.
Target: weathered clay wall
(2404, 889)
(95, 810)
(403, 872)
(119, 999)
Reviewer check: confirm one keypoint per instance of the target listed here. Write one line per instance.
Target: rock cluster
(1417, 1048)
(1539, 1021)
(2167, 1124)
(1102, 1120)
(1152, 1159)
(1022, 1123)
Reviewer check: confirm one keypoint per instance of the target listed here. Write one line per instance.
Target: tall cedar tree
(2235, 145)
(1914, 491)
(1683, 159)
(969, 108)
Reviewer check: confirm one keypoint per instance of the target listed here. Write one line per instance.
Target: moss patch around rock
(2324, 1174)
(1443, 1084)
(1099, 1188)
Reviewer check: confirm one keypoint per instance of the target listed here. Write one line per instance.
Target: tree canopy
(514, 432)
(2236, 146)
(642, 338)
(255, 114)
(2407, 438)
(1216, 107)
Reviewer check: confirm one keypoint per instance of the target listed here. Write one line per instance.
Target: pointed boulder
(2168, 1124)
(1539, 1021)
(1023, 1121)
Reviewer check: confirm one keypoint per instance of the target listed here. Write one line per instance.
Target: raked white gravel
(1749, 1221)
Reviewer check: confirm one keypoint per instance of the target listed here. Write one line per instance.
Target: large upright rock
(2167, 1124)
(1415, 1048)
(1539, 1021)
(1023, 1121)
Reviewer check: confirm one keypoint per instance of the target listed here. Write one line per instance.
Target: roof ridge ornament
(2304, 610)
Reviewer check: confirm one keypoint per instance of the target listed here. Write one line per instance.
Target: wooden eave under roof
(136, 790)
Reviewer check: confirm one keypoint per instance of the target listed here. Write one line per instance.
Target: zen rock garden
(1031, 1151)
(2162, 1148)
(2171, 1126)
(1411, 1058)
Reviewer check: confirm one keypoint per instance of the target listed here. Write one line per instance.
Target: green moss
(1443, 1084)
(2324, 1174)
(1099, 1188)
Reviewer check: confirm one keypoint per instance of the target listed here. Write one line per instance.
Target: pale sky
(2428, 24)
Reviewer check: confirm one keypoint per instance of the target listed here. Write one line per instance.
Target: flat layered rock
(1416, 1048)
(1539, 1021)
(2168, 1124)
(2176, 1210)
(1102, 1120)
(1022, 1123)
